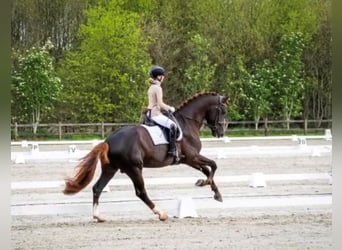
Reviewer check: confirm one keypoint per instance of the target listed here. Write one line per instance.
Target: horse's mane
(195, 96)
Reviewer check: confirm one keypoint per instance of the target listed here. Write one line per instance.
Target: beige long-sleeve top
(155, 99)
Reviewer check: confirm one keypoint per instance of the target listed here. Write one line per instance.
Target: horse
(130, 149)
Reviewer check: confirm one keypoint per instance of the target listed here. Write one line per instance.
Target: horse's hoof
(163, 217)
(218, 198)
(99, 219)
(200, 183)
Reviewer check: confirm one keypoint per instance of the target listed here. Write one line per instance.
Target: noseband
(218, 109)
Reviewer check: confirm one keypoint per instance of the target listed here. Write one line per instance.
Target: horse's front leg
(200, 162)
(135, 174)
(106, 174)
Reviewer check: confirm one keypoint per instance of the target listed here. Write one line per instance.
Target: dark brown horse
(129, 149)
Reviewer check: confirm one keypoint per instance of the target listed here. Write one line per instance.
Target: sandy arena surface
(44, 218)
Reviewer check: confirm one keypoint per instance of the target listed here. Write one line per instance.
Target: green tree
(236, 88)
(216, 45)
(318, 67)
(106, 77)
(289, 84)
(200, 72)
(277, 84)
(34, 86)
(34, 21)
(260, 89)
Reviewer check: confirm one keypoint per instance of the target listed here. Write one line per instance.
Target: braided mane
(195, 96)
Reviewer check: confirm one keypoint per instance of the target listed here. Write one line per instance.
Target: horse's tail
(85, 170)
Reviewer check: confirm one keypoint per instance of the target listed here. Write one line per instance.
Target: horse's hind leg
(107, 173)
(135, 173)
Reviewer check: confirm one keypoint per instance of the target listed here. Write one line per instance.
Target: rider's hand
(172, 109)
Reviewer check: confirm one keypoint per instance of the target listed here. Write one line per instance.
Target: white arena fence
(31, 151)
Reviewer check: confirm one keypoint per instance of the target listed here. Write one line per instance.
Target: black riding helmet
(157, 71)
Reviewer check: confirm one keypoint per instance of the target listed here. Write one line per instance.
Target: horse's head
(216, 116)
(208, 106)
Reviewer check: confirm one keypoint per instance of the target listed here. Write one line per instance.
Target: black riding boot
(172, 146)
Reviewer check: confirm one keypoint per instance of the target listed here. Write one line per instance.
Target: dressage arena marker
(257, 180)
(302, 141)
(24, 144)
(20, 159)
(327, 134)
(186, 208)
(34, 148)
(72, 149)
(226, 139)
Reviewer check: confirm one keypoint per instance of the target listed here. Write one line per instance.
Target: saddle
(146, 120)
(171, 135)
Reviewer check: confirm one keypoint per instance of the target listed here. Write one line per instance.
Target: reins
(190, 118)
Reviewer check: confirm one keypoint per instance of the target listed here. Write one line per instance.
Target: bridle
(218, 110)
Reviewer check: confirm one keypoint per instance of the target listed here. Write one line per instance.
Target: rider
(156, 105)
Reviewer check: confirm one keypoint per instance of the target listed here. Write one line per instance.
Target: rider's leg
(168, 123)
(172, 146)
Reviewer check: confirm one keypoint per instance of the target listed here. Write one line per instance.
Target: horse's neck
(195, 110)
(192, 119)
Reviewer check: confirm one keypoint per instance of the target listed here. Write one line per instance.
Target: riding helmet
(157, 71)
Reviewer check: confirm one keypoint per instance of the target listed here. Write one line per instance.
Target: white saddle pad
(158, 136)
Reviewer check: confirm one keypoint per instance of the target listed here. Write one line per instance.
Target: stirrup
(175, 156)
(172, 153)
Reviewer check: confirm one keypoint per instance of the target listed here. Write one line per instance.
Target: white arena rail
(72, 153)
(225, 139)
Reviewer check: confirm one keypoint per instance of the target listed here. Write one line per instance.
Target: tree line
(88, 60)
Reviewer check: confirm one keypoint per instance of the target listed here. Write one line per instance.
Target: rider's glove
(172, 109)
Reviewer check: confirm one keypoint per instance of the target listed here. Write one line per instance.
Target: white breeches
(163, 121)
